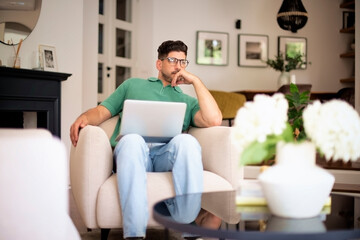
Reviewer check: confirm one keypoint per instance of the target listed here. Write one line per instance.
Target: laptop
(155, 121)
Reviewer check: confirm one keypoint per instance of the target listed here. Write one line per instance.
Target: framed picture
(291, 46)
(48, 58)
(212, 48)
(252, 50)
(348, 19)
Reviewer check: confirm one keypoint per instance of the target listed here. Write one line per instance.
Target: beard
(168, 78)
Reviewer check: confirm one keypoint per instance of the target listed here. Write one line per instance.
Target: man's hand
(79, 123)
(94, 116)
(183, 77)
(209, 114)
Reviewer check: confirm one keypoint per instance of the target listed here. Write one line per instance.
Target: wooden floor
(152, 234)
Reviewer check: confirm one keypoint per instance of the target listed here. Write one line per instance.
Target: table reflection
(188, 210)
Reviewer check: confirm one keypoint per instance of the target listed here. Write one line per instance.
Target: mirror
(17, 19)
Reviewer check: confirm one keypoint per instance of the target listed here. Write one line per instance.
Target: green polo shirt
(151, 89)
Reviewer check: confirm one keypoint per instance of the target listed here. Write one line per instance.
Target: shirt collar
(154, 79)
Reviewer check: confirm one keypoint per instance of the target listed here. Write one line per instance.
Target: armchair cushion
(228, 102)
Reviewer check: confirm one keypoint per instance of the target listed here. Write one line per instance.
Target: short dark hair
(169, 46)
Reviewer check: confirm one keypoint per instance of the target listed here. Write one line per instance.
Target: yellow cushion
(228, 102)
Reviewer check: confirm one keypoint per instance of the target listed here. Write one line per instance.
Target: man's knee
(187, 141)
(129, 144)
(188, 150)
(130, 141)
(130, 152)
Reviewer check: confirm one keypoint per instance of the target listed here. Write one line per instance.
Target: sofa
(94, 185)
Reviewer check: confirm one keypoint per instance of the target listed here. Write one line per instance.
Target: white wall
(71, 26)
(171, 20)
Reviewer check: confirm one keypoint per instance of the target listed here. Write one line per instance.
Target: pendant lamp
(292, 15)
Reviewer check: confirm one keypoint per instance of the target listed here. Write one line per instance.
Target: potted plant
(285, 66)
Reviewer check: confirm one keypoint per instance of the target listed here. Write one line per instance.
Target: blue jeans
(134, 157)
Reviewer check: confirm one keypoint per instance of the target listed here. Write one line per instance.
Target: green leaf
(287, 134)
(297, 123)
(258, 152)
(293, 88)
(292, 115)
(254, 154)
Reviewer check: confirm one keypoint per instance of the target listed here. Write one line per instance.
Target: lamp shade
(292, 15)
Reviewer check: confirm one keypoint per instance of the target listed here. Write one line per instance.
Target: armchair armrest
(91, 164)
(219, 154)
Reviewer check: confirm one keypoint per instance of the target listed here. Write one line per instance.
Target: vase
(295, 187)
(284, 79)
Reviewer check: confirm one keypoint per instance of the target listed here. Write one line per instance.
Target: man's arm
(94, 116)
(209, 114)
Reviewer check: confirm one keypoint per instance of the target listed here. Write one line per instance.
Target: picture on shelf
(212, 48)
(348, 19)
(48, 58)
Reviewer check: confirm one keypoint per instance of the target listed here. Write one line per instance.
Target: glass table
(216, 215)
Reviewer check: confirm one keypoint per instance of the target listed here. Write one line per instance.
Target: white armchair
(94, 185)
(34, 188)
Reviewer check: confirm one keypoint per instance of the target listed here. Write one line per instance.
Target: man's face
(167, 70)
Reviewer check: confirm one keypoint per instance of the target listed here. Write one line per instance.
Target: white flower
(266, 115)
(334, 127)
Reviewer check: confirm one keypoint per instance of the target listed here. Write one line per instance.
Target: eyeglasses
(174, 61)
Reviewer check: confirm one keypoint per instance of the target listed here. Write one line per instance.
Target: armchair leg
(105, 233)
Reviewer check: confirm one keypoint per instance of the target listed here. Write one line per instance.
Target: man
(133, 157)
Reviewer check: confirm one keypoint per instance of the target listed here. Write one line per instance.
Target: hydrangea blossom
(265, 115)
(334, 127)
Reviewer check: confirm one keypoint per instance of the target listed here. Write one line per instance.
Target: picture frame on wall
(290, 46)
(48, 59)
(212, 48)
(253, 50)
